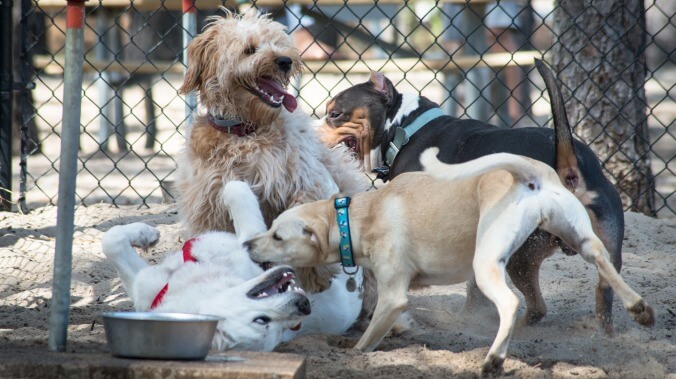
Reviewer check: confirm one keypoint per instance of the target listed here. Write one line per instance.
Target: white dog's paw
(137, 234)
(235, 190)
(143, 235)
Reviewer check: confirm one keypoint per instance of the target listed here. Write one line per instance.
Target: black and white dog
(389, 130)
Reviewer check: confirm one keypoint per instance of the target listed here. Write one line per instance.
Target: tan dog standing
(443, 227)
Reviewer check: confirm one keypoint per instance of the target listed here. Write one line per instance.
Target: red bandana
(187, 257)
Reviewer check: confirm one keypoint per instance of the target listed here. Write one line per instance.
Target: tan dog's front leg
(392, 301)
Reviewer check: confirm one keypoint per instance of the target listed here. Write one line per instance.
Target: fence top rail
(212, 4)
(54, 64)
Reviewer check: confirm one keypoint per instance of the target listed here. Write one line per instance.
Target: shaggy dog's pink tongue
(273, 88)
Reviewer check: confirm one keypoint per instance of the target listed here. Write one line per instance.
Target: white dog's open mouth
(279, 281)
(273, 94)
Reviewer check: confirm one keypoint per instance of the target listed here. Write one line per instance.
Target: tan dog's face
(241, 66)
(298, 237)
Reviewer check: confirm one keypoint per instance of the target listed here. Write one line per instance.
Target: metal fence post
(72, 98)
(6, 88)
(189, 31)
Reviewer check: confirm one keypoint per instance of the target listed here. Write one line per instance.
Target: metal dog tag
(351, 284)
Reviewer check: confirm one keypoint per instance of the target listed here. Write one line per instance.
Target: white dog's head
(255, 313)
(255, 307)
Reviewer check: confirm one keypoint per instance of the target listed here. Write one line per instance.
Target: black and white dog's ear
(244, 210)
(382, 84)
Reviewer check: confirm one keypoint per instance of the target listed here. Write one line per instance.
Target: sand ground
(446, 342)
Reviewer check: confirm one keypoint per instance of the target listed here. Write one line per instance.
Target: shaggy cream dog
(252, 131)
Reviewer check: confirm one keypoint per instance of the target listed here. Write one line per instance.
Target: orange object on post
(75, 14)
(188, 6)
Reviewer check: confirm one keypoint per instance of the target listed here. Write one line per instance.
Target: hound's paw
(532, 317)
(642, 313)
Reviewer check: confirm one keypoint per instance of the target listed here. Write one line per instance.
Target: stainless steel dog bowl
(159, 335)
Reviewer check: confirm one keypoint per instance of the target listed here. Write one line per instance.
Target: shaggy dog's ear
(202, 60)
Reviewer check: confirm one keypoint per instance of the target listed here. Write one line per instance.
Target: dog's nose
(284, 63)
(247, 245)
(303, 305)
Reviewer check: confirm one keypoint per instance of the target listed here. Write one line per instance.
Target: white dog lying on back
(214, 275)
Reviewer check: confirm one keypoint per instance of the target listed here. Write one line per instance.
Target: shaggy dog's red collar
(187, 257)
(236, 127)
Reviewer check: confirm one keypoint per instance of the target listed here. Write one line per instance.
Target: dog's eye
(276, 237)
(334, 115)
(263, 320)
(250, 50)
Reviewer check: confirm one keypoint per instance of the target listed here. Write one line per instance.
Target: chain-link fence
(474, 58)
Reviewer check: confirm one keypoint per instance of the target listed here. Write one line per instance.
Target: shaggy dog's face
(241, 66)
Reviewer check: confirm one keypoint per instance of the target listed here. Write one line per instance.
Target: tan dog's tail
(522, 169)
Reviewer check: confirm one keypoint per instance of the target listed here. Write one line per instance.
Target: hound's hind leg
(118, 246)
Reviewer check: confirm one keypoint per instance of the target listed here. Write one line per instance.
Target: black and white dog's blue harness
(403, 134)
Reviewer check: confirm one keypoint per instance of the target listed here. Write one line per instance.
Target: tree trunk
(600, 57)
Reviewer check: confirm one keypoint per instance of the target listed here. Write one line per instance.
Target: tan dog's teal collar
(343, 220)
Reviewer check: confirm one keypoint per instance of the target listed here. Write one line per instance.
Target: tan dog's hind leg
(568, 220)
(392, 300)
(592, 250)
(497, 238)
